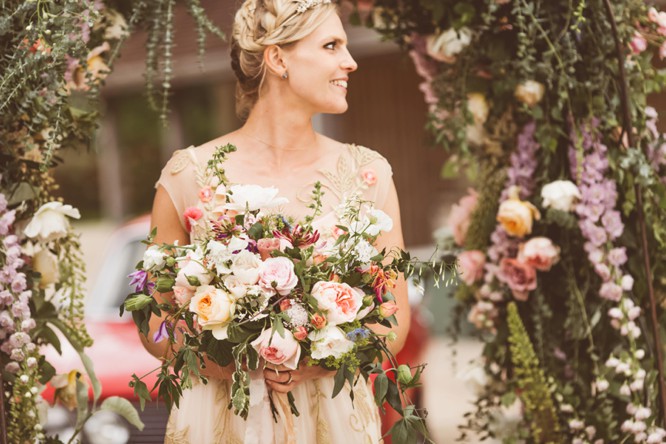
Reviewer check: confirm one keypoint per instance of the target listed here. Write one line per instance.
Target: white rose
(246, 265)
(253, 197)
(329, 341)
(235, 286)
(214, 309)
(476, 134)
(380, 222)
(448, 44)
(153, 258)
(46, 264)
(560, 195)
(50, 221)
(192, 266)
(478, 107)
(220, 256)
(529, 92)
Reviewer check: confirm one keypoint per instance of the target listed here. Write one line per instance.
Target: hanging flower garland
(559, 247)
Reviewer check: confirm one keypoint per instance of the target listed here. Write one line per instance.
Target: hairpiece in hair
(304, 5)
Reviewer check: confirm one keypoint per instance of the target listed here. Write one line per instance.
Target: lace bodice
(354, 169)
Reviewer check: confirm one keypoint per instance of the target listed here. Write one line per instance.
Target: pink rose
(482, 315)
(182, 294)
(540, 253)
(638, 43)
(267, 246)
(339, 301)
(206, 194)
(369, 176)
(459, 217)
(520, 277)
(278, 350)
(277, 275)
(191, 216)
(471, 265)
(387, 309)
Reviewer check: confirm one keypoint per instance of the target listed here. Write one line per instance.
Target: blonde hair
(259, 24)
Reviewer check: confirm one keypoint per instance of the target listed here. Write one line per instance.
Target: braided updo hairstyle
(259, 24)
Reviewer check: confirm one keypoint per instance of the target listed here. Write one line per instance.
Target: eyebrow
(336, 39)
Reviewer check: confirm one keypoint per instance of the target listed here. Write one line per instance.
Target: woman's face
(319, 67)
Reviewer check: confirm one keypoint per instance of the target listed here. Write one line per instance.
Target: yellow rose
(516, 216)
(214, 308)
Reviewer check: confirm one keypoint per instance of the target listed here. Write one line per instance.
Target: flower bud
(404, 374)
(387, 309)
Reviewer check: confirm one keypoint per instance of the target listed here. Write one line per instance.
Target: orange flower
(384, 280)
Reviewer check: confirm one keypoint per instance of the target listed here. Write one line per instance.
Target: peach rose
(387, 309)
(278, 350)
(277, 275)
(470, 264)
(520, 277)
(183, 295)
(459, 217)
(214, 309)
(516, 216)
(267, 246)
(301, 333)
(540, 253)
(339, 301)
(318, 321)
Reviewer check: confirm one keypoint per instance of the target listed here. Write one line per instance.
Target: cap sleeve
(179, 180)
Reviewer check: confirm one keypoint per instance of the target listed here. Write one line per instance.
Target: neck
(280, 129)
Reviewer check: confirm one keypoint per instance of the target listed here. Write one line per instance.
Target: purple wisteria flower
(139, 279)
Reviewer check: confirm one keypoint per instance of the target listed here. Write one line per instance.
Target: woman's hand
(282, 379)
(216, 371)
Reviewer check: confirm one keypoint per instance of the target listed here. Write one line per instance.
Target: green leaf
(381, 388)
(339, 381)
(124, 408)
(90, 371)
(140, 391)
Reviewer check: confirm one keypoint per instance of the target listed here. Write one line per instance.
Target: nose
(349, 64)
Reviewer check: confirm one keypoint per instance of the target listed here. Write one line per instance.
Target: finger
(281, 388)
(278, 377)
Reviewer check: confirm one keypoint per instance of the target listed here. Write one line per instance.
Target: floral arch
(561, 249)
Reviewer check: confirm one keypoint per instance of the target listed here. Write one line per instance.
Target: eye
(331, 45)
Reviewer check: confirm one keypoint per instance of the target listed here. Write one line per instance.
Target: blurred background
(113, 184)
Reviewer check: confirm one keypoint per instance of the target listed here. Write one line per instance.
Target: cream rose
(214, 309)
(253, 197)
(50, 221)
(516, 216)
(246, 265)
(560, 195)
(192, 266)
(235, 286)
(446, 46)
(277, 275)
(329, 341)
(339, 301)
(529, 92)
(278, 350)
(46, 263)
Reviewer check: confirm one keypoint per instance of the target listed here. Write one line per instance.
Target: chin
(338, 108)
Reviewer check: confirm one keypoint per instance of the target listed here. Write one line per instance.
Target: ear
(275, 61)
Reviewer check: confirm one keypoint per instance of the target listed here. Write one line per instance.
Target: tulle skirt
(203, 416)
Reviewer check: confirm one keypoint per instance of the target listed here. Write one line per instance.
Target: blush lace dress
(203, 416)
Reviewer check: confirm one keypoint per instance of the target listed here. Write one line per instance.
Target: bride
(291, 61)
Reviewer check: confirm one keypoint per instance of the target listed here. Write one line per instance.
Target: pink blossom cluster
(656, 150)
(426, 67)
(600, 223)
(639, 41)
(15, 318)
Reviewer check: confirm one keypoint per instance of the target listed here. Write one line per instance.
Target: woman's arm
(169, 230)
(391, 240)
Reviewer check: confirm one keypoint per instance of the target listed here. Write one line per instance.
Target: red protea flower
(298, 236)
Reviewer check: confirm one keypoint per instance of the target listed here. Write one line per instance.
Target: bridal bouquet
(255, 288)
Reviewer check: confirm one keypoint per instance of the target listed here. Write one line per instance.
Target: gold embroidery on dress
(174, 436)
(179, 161)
